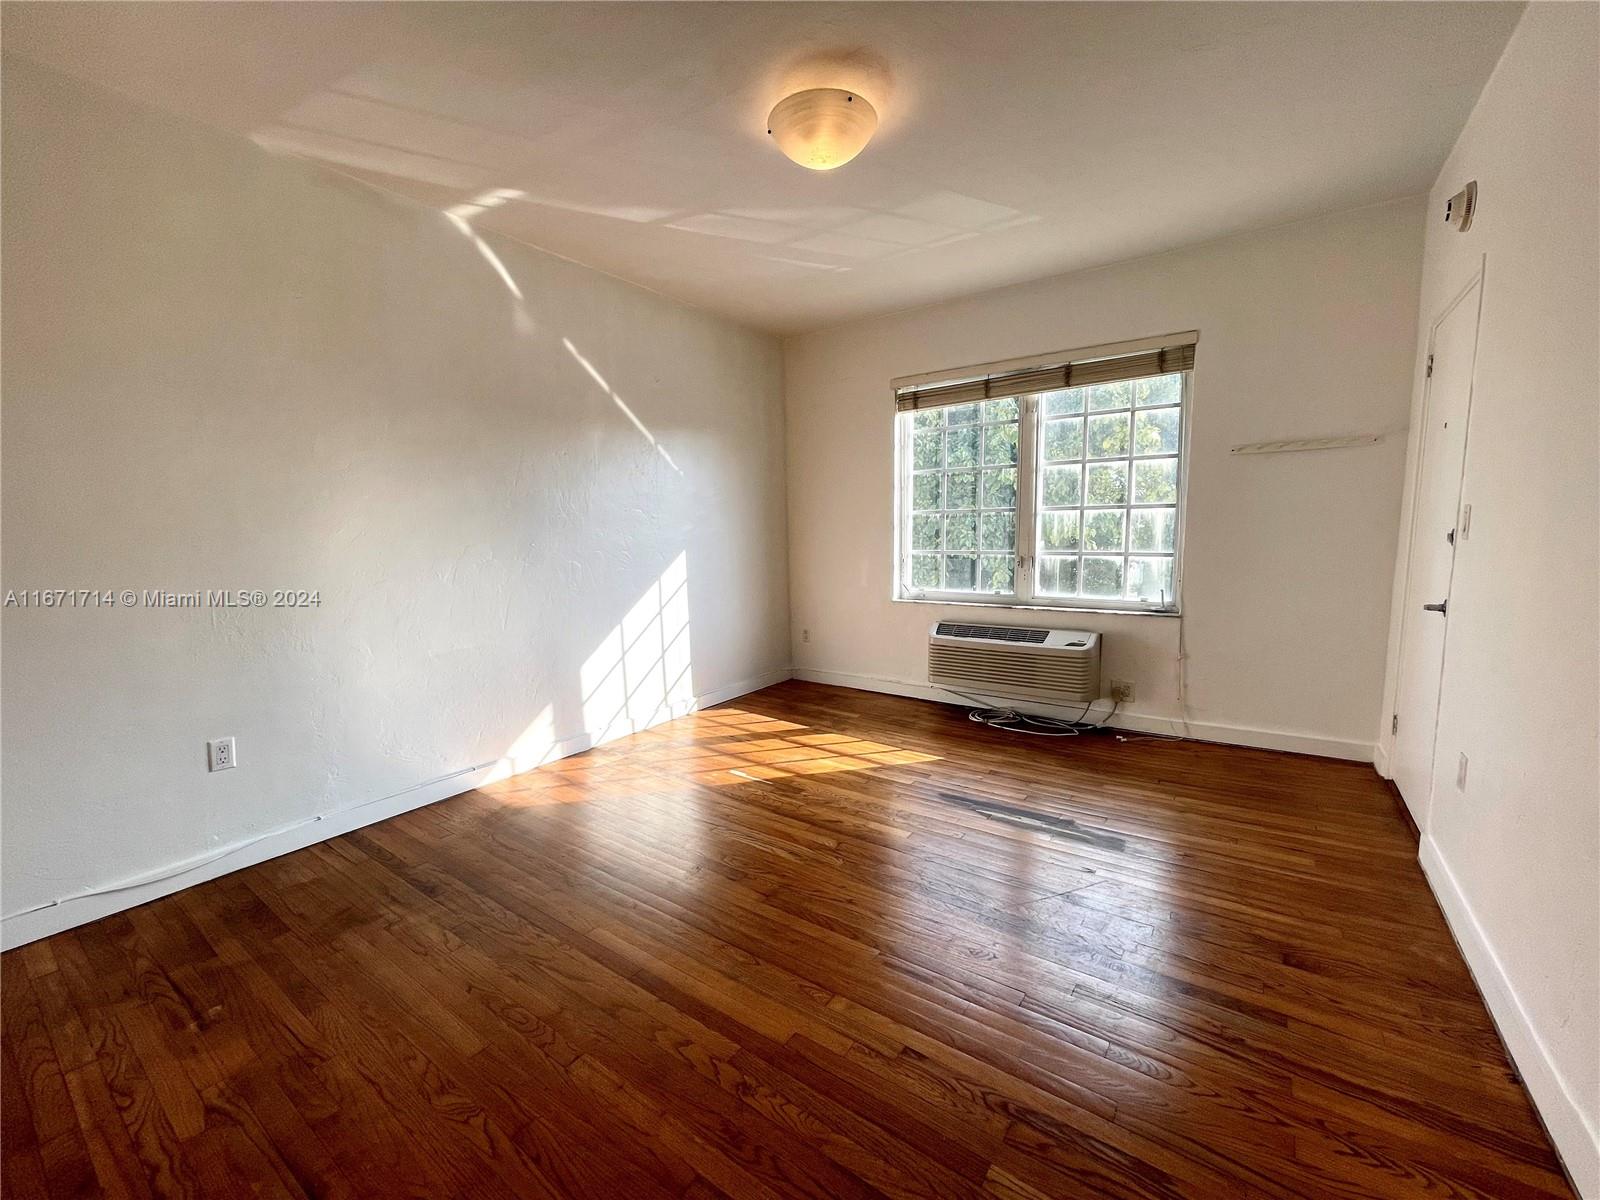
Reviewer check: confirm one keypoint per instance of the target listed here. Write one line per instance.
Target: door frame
(1413, 487)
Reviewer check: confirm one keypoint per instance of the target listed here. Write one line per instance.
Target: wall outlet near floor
(1121, 690)
(1461, 773)
(805, 635)
(220, 755)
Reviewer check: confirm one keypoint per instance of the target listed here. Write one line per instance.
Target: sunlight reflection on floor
(719, 747)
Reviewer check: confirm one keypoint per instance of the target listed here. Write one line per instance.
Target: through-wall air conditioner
(1052, 666)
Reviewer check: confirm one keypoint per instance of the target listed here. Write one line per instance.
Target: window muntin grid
(1109, 475)
(1091, 478)
(963, 481)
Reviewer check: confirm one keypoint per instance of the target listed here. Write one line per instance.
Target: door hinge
(1430, 367)
(1394, 723)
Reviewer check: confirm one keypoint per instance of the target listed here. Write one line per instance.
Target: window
(1068, 496)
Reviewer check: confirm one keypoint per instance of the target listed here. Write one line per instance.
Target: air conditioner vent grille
(999, 633)
(992, 667)
(1051, 666)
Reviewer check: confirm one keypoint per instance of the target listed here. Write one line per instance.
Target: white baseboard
(1575, 1138)
(723, 695)
(1380, 760)
(1232, 735)
(71, 911)
(90, 905)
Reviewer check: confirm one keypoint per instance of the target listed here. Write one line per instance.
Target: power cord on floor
(1019, 722)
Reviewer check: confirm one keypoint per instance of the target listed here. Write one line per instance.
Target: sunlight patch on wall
(641, 672)
(638, 676)
(617, 400)
(534, 747)
(487, 252)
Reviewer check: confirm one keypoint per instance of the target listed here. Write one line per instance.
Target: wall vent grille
(996, 633)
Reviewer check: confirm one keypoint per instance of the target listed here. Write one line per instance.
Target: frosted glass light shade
(822, 128)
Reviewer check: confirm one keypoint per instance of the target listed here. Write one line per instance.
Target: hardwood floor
(816, 943)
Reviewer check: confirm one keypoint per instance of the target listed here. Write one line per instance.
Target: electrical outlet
(1122, 691)
(805, 635)
(1461, 773)
(220, 755)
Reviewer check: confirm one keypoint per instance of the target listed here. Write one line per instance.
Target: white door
(1453, 342)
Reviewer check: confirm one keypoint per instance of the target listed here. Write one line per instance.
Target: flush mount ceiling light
(822, 128)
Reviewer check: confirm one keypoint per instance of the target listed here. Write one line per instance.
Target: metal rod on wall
(1327, 443)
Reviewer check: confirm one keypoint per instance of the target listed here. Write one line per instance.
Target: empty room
(932, 601)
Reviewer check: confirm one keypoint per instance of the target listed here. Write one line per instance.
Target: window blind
(1105, 365)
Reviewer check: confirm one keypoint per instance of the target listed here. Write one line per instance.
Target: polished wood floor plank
(815, 943)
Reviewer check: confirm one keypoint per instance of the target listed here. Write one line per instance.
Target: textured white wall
(1516, 857)
(224, 369)
(1305, 330)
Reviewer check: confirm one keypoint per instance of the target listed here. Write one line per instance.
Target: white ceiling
(1017, 140)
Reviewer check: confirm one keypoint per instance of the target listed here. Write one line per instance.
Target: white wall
(1515, 859)
(228, 370)
(1305, 330)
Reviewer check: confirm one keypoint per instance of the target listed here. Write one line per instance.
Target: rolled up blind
(1105, 366)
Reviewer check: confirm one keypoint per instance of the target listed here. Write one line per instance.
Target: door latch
(1438, 608)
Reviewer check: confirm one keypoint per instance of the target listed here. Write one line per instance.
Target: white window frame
(1024, 578)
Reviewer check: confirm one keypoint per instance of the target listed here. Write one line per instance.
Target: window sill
(1018, 606)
